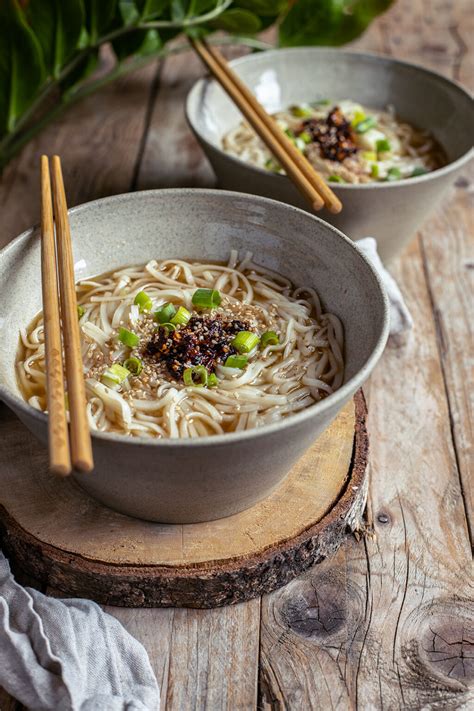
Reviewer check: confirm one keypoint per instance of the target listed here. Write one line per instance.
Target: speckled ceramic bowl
(391, 212)
(182, 481)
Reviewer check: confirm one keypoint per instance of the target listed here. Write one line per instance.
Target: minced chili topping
(333, 134)
(205, 340)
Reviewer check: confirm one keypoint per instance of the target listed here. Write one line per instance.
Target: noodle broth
(162, 360)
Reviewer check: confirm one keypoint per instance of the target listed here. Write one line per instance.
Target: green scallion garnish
(236, 361)
(80, 311)
(321, 102)
(300, 111)
(383, 145)
(196, 376)
(143, 301)
(272, 165)
(393, 174)
(305, 137)
(269, 338)
(212, 381)
(374, 170)
(166, 313)
(128, 338)
(419, 170)
(290, 134)
(358, 117)
(365, 124)
(181, 317)
(245, 341)
(336, 179)
(206, 298)
(134, 365)
(114, 376)
(170, 327)
(369, 155)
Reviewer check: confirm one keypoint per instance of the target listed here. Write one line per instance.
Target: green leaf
(263, 8)
(58, 25)
(151, 9)
(21, 65)
(81, 71)
(99, 15)
(178, 10)
(129, 14)
(328, 22)
(139, 43)
(238, 21)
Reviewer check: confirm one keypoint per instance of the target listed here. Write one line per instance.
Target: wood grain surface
(387, 623)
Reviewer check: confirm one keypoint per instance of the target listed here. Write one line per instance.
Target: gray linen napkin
(400, 317)
(69, 655)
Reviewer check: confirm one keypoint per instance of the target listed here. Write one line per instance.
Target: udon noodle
(188, 349)
(346, 142)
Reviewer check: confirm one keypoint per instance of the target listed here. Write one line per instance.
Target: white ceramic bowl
(391, 211)
(181, 481)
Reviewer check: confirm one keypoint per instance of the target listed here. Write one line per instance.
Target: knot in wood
(439, 642)
(383, 517)
(316, 606)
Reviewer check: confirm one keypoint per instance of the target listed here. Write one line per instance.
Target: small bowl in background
(392, 211)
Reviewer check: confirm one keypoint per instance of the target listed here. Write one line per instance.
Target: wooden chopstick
(59, 457)
(81, 448)
(292, 160)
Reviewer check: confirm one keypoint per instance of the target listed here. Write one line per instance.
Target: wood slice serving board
(53, 530)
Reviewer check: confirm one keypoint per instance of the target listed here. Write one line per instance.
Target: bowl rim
(336, 398)
(372, 56)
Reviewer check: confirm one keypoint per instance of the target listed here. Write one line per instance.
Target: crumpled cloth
(400, 317)
(69, 655)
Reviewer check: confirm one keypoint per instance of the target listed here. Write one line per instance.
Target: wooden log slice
(51, 529)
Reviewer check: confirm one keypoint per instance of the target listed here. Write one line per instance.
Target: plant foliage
(49, 48)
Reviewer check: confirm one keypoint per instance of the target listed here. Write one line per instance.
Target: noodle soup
(346, 142)
(188, 349)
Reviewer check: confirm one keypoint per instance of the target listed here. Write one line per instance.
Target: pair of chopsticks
(59, 295)
(297, 167)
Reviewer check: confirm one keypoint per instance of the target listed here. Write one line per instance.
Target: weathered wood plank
(369, 629)
(203, 659)
(99, 142)
(448, 257)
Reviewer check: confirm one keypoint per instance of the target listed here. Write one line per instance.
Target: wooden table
(386, 624)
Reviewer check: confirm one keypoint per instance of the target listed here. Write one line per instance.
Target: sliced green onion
(290, 134)
(196, 371)
(336, 179)
(80, 311)
(269, 338)
(365, 124)
(115, 375)
(321, 102)
(169, 326)
(236, 361)
(181, 317)
(134, 365)
(245, 341)
(419, 170)
(305, 137)
(272, 165)
(393, 174)
(383, 145)
(212, 381)
(143, 301)
(300, 111)
(358, 117)
(128, 338)
(374, 170)
(165, 314)
(206, 298)
(369, 155)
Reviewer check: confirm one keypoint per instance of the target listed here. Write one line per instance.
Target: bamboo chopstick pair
(297, 167)
(59, 295)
